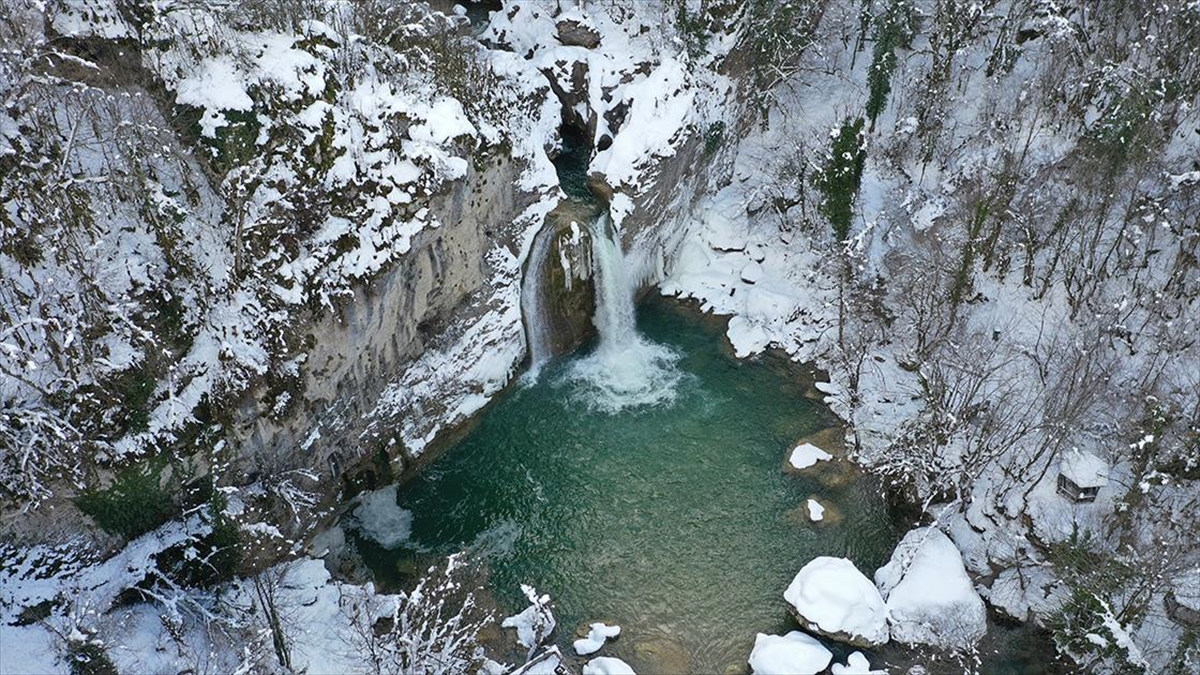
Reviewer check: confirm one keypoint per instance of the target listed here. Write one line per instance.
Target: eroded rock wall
(387, 323)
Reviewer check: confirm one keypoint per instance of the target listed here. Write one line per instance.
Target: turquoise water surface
(675, 521)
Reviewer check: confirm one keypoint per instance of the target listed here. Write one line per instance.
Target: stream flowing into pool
(672, 518)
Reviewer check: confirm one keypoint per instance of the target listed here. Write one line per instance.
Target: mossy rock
(571, 299)
(831, 440)
(834, 474)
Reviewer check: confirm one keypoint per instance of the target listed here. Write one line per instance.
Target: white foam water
(626, 370)
(533, 307)
(380, 518)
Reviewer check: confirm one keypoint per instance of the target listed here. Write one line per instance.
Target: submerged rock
(930, 598)
(663, 655)
(829, 596)
(791, 654)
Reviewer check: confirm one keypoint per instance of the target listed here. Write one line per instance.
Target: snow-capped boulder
(816, 512)
(831, 597)
(807, 455)
(930, 598)
(752, 273)
(791, 654)
(597, 634)
(856, 664)
(535, 623)
(607, 665)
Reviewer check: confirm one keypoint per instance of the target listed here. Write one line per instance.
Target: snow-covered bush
(429, 630)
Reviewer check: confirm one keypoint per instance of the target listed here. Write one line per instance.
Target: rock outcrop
(930, 598)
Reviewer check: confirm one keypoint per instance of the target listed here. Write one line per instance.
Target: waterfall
(626, 370)
(615, 318)
(534, 307)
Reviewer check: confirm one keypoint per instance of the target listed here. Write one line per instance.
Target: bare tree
(429, 630)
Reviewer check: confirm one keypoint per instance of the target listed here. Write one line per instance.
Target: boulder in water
(831, 597)
(607, 665)
(805, 456)
(791, 654)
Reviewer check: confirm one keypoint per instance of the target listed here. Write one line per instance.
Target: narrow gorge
(599, 336)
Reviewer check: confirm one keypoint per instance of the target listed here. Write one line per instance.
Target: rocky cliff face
(331, 251)
(357, 350)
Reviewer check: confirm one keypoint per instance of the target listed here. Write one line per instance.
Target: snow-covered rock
(545, 663)
(856, 664)
(806, 455)
(816, 512)
(1025, 592)
(607, 665)
(930, 598)
(752, 273)
(597, 634)
(793, 654)
(535, 623)
(831, 597)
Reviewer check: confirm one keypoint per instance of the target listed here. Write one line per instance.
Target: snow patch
(597, 634)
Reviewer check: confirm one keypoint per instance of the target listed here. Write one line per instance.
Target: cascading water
(534, 307)
(626, 370)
